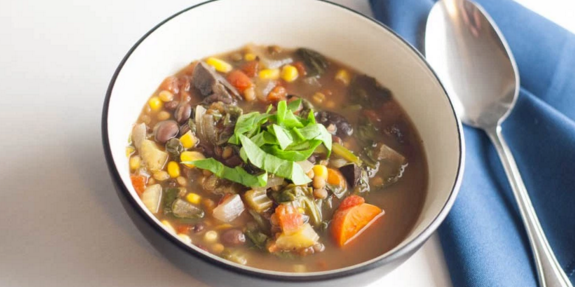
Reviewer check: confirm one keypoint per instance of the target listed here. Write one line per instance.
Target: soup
(279, 159)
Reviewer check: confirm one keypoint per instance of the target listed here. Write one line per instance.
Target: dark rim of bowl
(403, 251)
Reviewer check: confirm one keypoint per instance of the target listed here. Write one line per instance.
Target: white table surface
(62, 223)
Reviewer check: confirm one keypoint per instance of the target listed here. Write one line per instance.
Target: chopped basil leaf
(236, 174)
(272, 164)
(283, 136)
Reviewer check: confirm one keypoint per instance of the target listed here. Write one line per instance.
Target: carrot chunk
(239, 80)
(348, 223)
(139, 182)
(334, 177)
(278, 93)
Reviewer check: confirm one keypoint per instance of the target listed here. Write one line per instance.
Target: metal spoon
(472, 59)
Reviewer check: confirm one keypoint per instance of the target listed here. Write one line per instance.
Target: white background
(62, 223)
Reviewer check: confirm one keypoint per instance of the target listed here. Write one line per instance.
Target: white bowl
(335, 31)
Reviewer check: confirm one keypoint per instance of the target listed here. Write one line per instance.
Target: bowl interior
(338, 33)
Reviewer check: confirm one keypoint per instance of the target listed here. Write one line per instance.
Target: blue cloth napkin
(483, 236)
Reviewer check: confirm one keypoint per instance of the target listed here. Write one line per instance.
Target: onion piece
(138, 135)
(208, 128)
(273, 181)
(338, 162)
(263, 88)
(151, 197)
(230, 209)
(200, 112)
(306, 165)
(274, 64)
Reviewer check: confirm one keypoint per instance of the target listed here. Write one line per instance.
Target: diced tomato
(185, 229)
(189, 69)
(239, 80)
(351, 201)
(279, 93)
(290, 220)
(350, 222)
(251, 68)
(139, 182)
(300, 68)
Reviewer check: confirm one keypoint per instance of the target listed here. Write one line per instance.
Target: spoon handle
(550, 272)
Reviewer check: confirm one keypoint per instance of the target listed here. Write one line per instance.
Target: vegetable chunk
(302, 238)
(350, 221)
(153, 157)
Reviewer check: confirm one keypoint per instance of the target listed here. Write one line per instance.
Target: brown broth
(402, 201)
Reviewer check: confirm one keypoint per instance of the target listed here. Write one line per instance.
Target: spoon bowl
(462, 45)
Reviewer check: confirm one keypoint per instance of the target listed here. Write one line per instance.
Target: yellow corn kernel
(343, 76)
(249, 56)
(289, 73)
(163, 115)
(130, 150)
(269, 74)
(193, 198)
(218, 248)
(318, 97)
(135, 162)
(185, 238)
(160, 175)
(155, 104)
(300, 210)
(211, 236)
(191, 156)
(220, 65)
(224, 226)
(320, 171)
(173, 169)
(168, 226)
(166, 96)
(188, 140)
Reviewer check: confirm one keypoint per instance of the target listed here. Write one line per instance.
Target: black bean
(199, 227)
(234, 161)
(233, 237)
(344, 128)
(184, 129)
(183, 113)
(170, 106)
(165, 130)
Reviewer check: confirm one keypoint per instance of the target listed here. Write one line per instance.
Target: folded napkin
(483, 237)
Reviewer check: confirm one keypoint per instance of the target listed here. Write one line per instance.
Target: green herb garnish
(272, 164)
(236, 174)
(274, 143)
